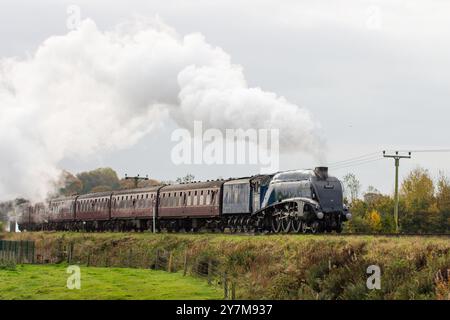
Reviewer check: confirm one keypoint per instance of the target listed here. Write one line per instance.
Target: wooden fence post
(185, 263)
(225, 286)
(233, 290)
(130, 254)
(89, 258)
(33, 247)
(209, 271)
(169, 267)
(156, 259)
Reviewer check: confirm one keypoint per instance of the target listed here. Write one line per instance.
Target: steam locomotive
(298, 201)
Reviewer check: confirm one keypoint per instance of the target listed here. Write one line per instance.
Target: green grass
(42, 282)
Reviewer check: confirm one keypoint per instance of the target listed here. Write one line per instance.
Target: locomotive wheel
(246, 224)
(286, 224)
(316, 227)
(305, 228)
(296, 225)
(240, 223)
(276, 224)
(232, 224)
(250, 226)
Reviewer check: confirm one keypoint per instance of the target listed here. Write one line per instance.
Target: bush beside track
(261, 267)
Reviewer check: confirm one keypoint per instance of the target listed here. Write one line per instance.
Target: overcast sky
(374, 74)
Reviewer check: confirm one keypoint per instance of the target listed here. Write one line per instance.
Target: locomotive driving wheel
(286, 224)
(276, 223)
(296, 225)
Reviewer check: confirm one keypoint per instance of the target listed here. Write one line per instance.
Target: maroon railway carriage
(134, 209)
(134, 204)
(93, 207)
(60, 212)
(190, 205)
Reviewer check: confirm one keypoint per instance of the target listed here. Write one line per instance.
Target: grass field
(49, 282)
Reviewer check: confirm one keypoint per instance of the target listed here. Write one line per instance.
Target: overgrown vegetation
(49, 282)
(270, 267)
(424, 206)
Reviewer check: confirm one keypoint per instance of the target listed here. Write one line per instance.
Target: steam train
(298, 201)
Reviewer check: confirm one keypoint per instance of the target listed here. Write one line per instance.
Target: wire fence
(17, 251)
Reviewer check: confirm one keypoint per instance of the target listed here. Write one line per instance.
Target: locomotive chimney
(321, 172)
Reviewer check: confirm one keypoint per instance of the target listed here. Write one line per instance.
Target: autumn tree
(187, 178)
(417, 195)
(443, 203)
(417, 190)
(129, 184)
(105, 177)
(71, 184)
(352, 186)
(374, 218)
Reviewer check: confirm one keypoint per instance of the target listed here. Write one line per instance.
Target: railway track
(398, 235)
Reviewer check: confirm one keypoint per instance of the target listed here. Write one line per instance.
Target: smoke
(91, 91)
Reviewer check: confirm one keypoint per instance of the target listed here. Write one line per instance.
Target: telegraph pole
(397, 158)
(136, 179)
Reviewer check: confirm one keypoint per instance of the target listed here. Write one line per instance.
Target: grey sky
(375, 74)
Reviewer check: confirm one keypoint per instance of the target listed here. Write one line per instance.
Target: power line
(356, 164)
(354, 161)
(426, 150)
(354, 158)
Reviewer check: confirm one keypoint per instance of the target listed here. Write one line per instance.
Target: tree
(187, 178)
(129, 184)
(372, 194)
(71, 184)
(372, 189)
(417, 190)
(375, 221)
(443, 193)
(417, 194)
(101, 189)
(352, 186)
(105, 177)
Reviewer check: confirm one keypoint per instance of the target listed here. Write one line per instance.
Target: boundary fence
(17, 251)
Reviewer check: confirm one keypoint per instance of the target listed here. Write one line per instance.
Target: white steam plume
(90, 91)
